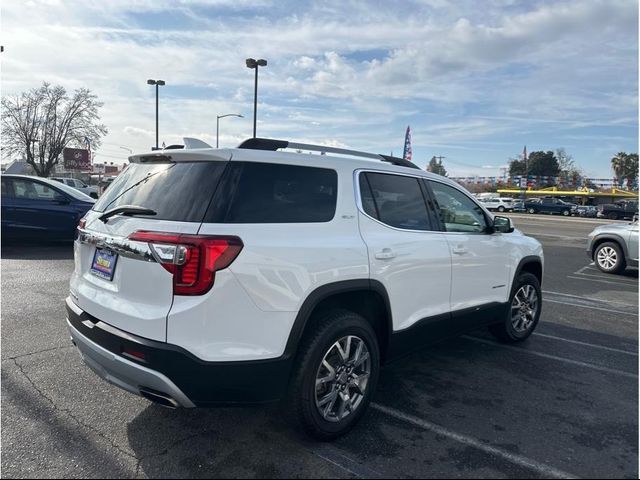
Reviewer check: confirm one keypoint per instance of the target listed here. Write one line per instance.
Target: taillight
(193, 260)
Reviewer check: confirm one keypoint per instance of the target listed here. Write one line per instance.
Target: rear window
(273, 193)
(175, 191)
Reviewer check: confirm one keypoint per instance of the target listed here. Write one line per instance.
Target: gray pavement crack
(69, 414)
(39, 351)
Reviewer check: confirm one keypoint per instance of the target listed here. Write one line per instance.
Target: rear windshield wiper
(126, 210)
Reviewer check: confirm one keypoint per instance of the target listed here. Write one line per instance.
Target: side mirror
(62, 200)
(502, 224)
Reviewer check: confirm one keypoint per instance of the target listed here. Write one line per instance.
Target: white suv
(499, 204)
(212, 277)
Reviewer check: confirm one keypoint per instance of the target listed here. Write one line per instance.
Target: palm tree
(618, 165)
(625, 166)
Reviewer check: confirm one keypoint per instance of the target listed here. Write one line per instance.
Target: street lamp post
(253, 63)
(218, 117)
(157, 83)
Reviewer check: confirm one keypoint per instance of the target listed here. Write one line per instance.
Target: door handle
(460, 250)
(386, 254)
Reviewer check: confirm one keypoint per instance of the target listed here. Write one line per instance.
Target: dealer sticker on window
(104, 263)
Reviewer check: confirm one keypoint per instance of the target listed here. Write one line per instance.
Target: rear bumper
(124, 373)
(172, 371)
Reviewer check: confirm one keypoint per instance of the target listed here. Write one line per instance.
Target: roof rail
(273, 145)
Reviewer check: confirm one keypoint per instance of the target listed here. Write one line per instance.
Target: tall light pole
(252, 63)
(218, 117)
(157, 83)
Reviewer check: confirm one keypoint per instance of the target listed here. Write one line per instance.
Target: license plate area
(104, 263)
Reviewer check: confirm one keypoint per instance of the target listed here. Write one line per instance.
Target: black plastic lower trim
(440, 327)
(205, 383)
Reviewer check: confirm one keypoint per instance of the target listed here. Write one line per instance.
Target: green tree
(543, 163)
(538, 164)
(435, 166)
(517, 167)
(40, 123)
(625, 167)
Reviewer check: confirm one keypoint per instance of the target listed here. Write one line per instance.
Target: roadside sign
(76, 159)
(523, 183)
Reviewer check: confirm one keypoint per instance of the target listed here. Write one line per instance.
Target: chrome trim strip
(121, 245)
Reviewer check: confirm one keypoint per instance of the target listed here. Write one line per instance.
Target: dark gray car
(614, 247)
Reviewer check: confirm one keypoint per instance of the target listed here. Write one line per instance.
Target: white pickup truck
(78, 185)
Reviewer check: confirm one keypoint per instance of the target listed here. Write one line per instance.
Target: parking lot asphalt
(563, 404)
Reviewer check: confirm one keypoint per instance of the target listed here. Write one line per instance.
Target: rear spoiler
(194, 150)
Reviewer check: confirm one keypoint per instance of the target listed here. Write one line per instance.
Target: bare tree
(40, 123)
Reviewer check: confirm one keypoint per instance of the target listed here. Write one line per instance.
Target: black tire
(609, 258)
(612, 216)
(301, 399)
(501, 209)
(506, 330)
(566, 213)
(531, 210)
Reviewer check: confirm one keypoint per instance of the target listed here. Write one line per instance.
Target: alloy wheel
(607, 258)
(524, 308)
(342, 378)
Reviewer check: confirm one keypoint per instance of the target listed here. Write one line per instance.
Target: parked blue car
(35, 208)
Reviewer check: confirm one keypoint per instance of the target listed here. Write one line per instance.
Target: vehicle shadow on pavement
(219, 443)
(37, 251)
(630, 273)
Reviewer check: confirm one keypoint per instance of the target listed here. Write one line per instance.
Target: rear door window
(178, 191)
(395, 200)
(253, 192)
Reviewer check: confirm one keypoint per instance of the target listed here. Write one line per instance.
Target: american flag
(407, 145)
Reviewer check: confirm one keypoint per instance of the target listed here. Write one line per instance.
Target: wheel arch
(365, 297)
(530, 264)
(600, 239)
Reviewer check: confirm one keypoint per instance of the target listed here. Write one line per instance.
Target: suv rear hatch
(120, 280)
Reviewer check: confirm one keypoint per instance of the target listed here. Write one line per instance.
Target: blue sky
(475, 80)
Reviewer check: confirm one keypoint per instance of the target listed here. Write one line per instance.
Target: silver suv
(614, 247)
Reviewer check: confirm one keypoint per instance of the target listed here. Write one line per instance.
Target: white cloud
(344, 71)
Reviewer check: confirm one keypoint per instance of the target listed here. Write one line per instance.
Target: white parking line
(582, 305)
(586, 344)
(600, 281)
(587, 298)
(599, 274)
(629, 281)
(612, 371)
(545, 471)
